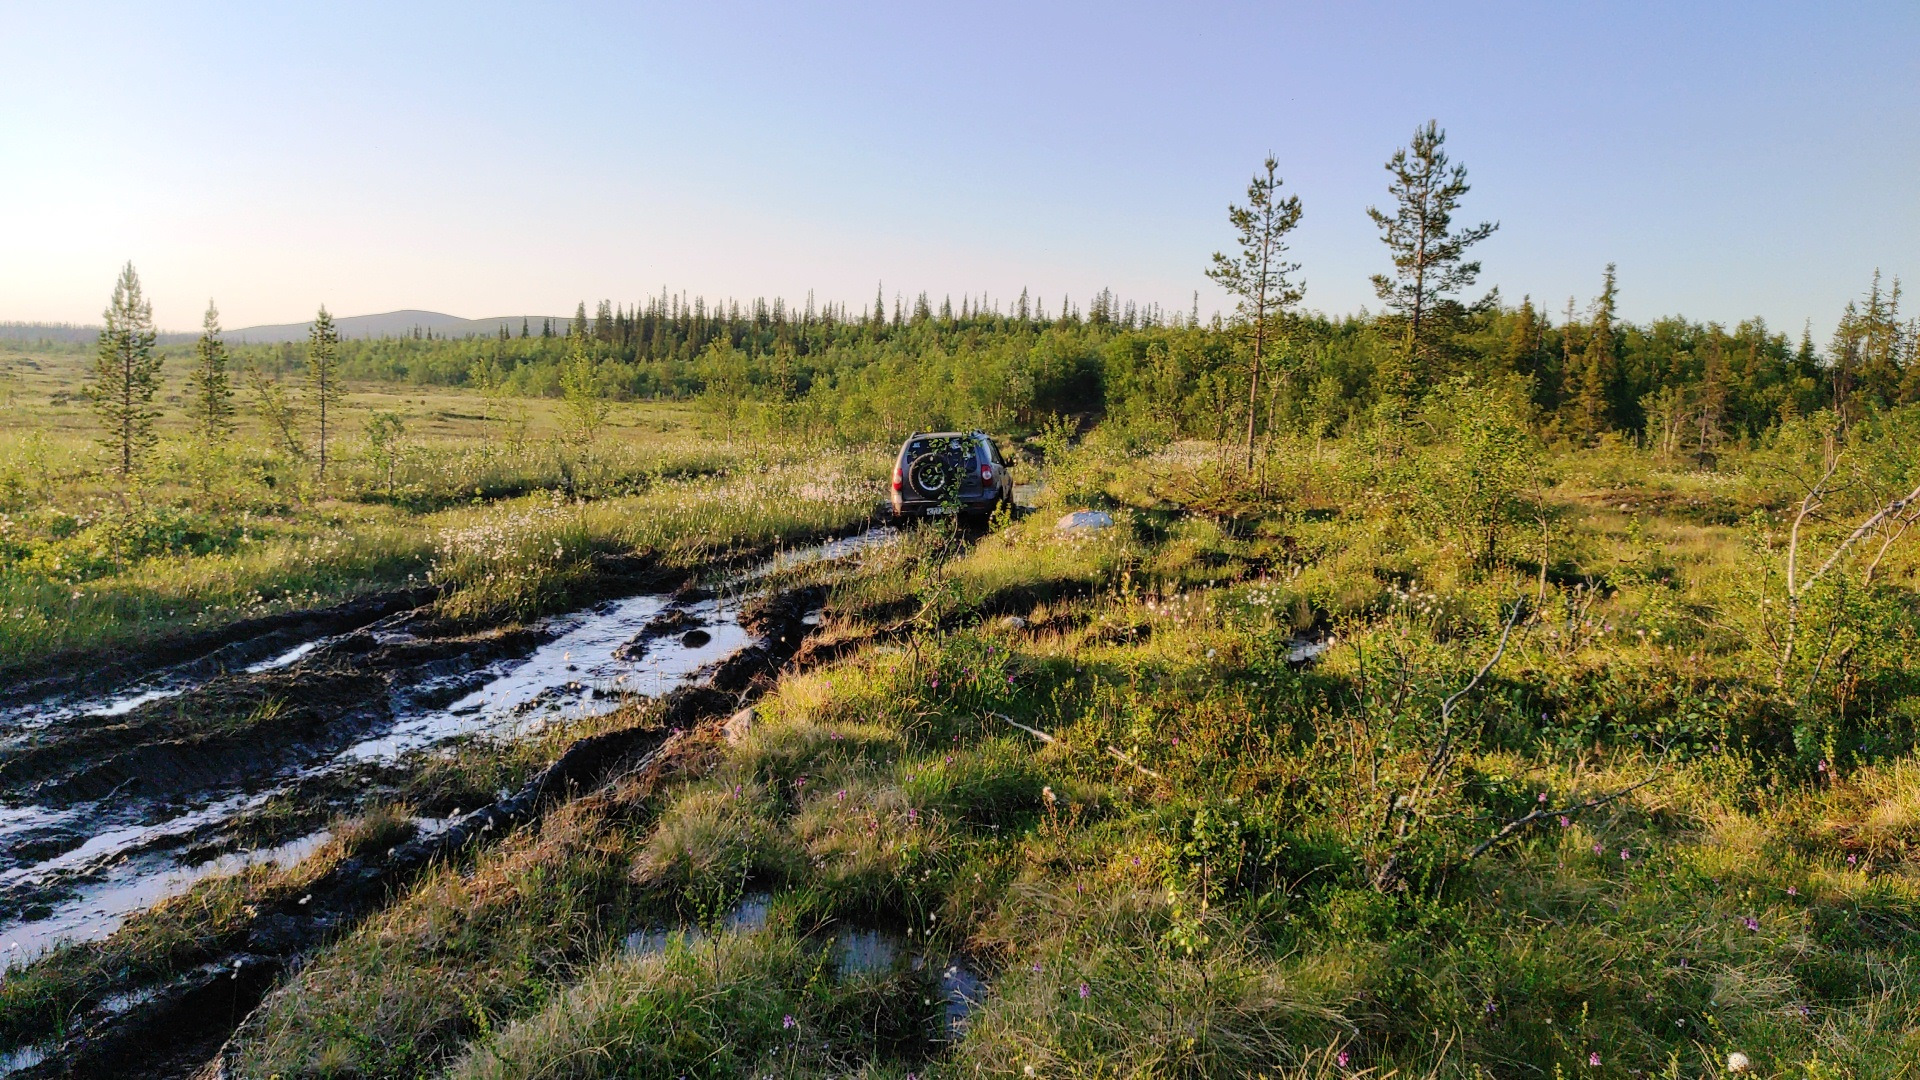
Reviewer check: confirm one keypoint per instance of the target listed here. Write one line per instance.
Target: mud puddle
(25, 718)
(76, 871)
(129, 885)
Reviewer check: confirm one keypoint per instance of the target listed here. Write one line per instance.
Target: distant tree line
(828, 372)
(1673, 383)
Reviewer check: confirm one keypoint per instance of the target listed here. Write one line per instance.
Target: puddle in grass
(1302, 651)
(845, 547)
(856, 951)
(117, 857)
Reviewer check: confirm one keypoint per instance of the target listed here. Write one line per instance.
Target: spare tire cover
(931, 475)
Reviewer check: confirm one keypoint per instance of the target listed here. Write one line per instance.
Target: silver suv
(939, 472)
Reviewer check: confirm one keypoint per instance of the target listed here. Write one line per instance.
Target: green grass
(1221, 862)
(483, 494)
(1185, 882)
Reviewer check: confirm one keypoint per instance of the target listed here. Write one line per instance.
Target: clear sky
(1733, 159)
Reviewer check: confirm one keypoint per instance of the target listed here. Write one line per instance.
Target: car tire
(930, 475)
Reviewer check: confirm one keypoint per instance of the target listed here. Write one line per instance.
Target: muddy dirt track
(114, 802)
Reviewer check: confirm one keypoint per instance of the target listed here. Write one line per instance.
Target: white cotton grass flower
(1738, 1062)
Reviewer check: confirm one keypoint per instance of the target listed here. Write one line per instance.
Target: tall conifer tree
(1598, 367)
(323, 378)
(1258, 276)
(1429, 258)
(126, 373)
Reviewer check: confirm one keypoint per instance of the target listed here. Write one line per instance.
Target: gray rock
(738, 726)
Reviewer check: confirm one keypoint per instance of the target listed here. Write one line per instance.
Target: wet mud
(110, 805)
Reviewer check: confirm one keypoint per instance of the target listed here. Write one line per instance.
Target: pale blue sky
(1733, 159)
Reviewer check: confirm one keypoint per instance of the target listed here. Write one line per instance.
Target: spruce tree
(323, 378)
(1598, 367)
(1429, 258)
(1713, 398)
(126, 374)
(1258, 276)
(580, 327)
(1523, 343)
(209, 385)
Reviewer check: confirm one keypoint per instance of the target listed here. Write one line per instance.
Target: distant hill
(399, 324)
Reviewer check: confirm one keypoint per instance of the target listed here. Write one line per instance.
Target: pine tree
(879, 315)
(523, 327)
(209, 384)
(603, 321)
(580, 326)
(126, 374)
(1429, 259)
(1258, 276)
(323, 379)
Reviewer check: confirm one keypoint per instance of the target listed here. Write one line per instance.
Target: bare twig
(1116, 752)
(1906, 521)
(1408, 807)
(1051, 741)
(1519, 823)
(1443, 752)
(1035, 732)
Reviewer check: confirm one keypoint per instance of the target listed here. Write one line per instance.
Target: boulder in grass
(1084, 520)
(738, 726)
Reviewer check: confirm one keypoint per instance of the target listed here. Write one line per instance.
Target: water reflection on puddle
(857, 951)
(130, 886)
(126, 863)
(158, 688)
(580, 671)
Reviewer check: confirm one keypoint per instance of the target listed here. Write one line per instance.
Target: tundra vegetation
(1536, 699)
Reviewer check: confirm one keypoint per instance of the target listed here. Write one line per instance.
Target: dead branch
(1408, 807)
(1893, 511)
(1116, 752)
(1906, 522)
(1051, 741)
(1519, 823)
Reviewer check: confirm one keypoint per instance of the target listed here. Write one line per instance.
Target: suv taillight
(896, 478)
(986, 472)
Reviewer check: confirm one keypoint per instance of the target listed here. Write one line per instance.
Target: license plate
(939, 511)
